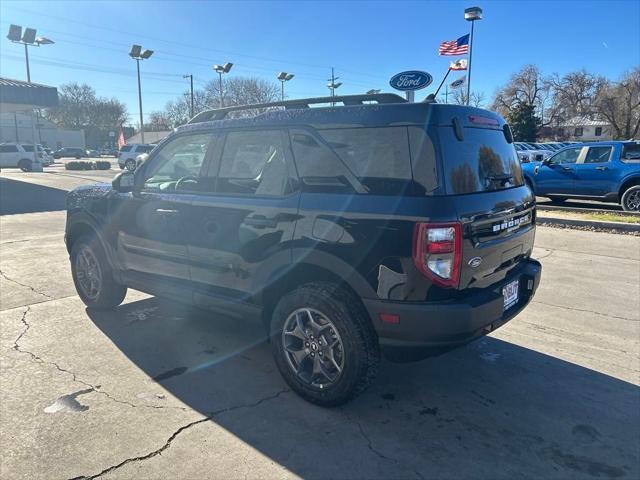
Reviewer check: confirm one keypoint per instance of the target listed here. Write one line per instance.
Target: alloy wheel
(313, 347)
(88, 272)
(632, 202)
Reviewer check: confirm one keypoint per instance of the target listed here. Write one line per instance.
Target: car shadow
(492, 409)
(24, 197)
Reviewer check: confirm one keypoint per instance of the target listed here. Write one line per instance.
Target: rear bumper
(444, 325)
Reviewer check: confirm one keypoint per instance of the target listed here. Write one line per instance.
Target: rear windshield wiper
(502, 178)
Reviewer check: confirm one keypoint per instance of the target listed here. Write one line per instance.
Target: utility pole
(333, 85)
(190, 77)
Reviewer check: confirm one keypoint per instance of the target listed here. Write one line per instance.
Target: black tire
(110, 294)
(25, 165)
(359, 343)
(630, 201)
(77, 157)
(555, 199)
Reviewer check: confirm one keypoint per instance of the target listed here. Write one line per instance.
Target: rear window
(631, 152)
(125, 148)
(484, 161)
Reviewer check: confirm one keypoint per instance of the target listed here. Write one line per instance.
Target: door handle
(602, 168)
(567, 169)
(166, 211)
(260, 221)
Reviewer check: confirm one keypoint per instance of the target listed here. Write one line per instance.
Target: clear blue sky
(367, 42)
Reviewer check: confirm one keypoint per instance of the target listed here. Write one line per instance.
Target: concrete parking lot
(155, 390)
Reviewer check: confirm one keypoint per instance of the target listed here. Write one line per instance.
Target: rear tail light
(437, 251)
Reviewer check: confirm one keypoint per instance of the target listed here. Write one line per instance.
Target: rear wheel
(93, 276)
(631, 199)
(324, 344)
(25, 165)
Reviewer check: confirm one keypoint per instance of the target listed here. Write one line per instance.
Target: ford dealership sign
(410, 80)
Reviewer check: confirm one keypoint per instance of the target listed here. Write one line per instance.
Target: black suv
(370, 224)
(70, 152)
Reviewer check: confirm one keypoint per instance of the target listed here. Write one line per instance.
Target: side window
(125, 148)
(631, 151)
(254, 163)
(569, 155)
(319, 169)
(8, 149)
(378, 157)
(177, 165)
(598, 155)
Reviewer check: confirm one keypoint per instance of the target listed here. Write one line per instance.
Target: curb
(621, 213)
(627, 227)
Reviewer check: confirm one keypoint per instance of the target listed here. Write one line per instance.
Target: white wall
(47, 135)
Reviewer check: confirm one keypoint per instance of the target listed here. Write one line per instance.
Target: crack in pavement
(4, 275)
(96, 388)
(175, 434)
(374, 450)
(584, 310)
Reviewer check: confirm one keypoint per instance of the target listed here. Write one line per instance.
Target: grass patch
(611, 217)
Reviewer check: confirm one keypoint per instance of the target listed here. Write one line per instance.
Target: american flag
(455, 47)
(121, 140)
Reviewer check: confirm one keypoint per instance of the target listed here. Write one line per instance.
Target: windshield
(483, 161)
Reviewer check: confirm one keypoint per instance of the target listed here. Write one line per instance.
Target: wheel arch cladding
(629, 182)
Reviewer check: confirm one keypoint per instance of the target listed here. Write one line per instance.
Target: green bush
(103, 165)
(79, 165)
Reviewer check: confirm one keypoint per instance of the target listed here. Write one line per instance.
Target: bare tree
(574, 94)
(459, 97)
(80, 107)
(526, 87)
(619, 103)
(158, 122)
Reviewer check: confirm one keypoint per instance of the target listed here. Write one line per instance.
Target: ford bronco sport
(364, 226)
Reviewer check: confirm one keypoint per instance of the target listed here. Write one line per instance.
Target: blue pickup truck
(604, 171)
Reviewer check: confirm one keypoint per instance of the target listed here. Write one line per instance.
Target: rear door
(558, 176)
(9, 156)
(484, 181)
(596, 173)
(242, 227)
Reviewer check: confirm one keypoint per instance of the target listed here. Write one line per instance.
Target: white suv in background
(20, 155)
(129, 153)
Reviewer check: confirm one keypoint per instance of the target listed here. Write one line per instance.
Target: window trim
(579, 158)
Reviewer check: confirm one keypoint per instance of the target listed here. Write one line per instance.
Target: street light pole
(26, 56)
(140, 102)
(333, 85)
(220, 69)
(284, 77)
(137, 54)
(471, 15)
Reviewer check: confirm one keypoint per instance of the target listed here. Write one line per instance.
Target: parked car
(109, 152)
(343, 228)
(70, 152)
(129, 153)
(19, 155)
(605, 171)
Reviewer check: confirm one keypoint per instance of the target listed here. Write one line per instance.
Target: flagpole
(442, 82)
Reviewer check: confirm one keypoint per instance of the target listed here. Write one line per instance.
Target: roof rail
(221, 113)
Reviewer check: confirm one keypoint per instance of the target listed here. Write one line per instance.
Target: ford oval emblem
(475, 262)
(410, 80)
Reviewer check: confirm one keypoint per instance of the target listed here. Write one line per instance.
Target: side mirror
(124, 182)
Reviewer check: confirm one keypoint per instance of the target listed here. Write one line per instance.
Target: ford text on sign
(411, 80)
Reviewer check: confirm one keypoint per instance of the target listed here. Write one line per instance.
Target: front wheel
(631, 199)
(130, 165)
(93, 276)
(324, 344)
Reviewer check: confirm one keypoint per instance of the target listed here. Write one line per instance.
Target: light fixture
(472, 13)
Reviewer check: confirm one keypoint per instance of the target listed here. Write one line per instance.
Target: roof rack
(221, 113)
